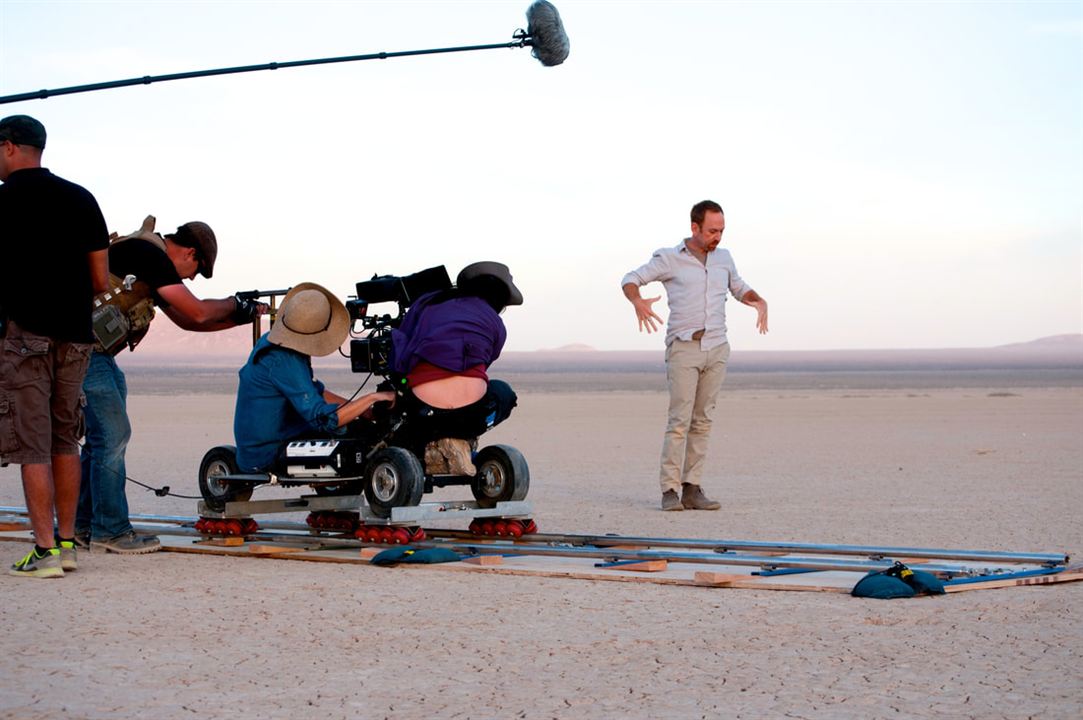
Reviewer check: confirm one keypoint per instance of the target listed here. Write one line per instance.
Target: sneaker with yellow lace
(45, 565)
(67, 555)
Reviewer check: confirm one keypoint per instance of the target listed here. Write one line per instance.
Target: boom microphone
(544, 34)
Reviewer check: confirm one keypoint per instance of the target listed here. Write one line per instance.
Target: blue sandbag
(925, 582)
(407, 554)
(882, 587)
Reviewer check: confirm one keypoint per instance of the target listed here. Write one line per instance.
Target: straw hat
(311, 321)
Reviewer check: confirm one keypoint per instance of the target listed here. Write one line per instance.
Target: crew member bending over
(159, 265)
(443, 350)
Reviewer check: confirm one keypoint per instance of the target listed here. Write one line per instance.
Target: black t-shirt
(47, 227)
(147, 262)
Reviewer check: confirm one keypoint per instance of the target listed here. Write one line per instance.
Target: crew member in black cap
(160, 264)
(54, 239)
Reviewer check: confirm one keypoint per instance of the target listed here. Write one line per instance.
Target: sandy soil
(178, 636)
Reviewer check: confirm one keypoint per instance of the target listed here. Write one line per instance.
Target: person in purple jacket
(443, 349)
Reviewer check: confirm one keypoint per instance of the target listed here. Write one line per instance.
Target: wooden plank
(274, 549)
(677, 574)
(8, 526)
(367, 553)
(644, 566)
(222, 542)
(592, 574)
(717, 579)
(486, 560)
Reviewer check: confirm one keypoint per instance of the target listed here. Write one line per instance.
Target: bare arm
(648, 319)
(98, 261)
(191, 313)
(753, 299)
(356, 408)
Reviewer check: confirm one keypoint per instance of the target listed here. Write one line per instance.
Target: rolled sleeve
(738, 287)
(655, 269)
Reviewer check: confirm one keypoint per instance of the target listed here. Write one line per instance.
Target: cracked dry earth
(180, 636)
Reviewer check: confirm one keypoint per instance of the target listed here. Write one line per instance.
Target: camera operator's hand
(247, 310)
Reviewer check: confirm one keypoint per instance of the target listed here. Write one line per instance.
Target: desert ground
(940, 462)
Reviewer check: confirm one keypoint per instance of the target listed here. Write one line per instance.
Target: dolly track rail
(716, 546)
(723, 546)
(317, 540)
(618, 547)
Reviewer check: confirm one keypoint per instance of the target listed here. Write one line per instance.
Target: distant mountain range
(167, 344)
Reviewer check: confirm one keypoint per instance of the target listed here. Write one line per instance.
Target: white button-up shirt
(695, 292)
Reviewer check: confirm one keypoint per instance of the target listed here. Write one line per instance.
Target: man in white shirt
(697, 276)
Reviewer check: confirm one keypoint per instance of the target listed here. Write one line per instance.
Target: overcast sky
(894, 175)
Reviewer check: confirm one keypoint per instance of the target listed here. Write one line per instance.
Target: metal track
(616, 548)
(298, 533)
(722, 546)
(717, 546)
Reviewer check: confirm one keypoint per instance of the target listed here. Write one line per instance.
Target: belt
(697, 335)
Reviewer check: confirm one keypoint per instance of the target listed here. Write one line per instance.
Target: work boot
(435, 462)
(128, 543)
(694, 499)
(456, 453)
(670, 501)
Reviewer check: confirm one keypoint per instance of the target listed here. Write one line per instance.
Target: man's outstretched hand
(648, 319)
(761, 315)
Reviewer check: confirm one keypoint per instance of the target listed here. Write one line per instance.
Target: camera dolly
(372, 477)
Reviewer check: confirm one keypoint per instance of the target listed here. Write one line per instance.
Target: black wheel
(219, 461)
(503, 475)
(393, 478)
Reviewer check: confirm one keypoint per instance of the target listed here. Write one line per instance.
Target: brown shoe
(457, 452)
(694, 499)
(435, 462)
(670, 501)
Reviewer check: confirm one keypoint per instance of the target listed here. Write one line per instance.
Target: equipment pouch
(110, 329)
(122, 315)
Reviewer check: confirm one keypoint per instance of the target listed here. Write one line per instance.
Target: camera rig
(378, 469)
(372, 353)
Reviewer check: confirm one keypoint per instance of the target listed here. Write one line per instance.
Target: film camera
(372, 354)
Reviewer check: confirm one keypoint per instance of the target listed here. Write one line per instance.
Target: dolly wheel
(220, 461)
(503, 475)
(393, 478)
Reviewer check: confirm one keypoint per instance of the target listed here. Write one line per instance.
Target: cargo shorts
(41, 396)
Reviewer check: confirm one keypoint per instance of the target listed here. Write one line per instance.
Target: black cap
(198, 235)
(23, 130)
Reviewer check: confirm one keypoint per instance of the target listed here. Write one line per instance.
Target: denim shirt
(277, 400)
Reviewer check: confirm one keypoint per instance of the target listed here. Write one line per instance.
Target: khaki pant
(695, 376)
(41, 394)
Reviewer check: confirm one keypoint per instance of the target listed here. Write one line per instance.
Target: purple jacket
(455, 334)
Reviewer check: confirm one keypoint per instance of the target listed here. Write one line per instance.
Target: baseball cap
(23, 130)
(198, 235)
